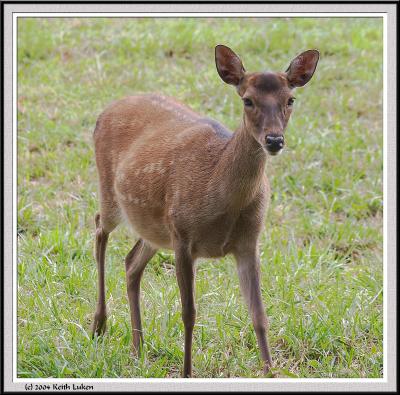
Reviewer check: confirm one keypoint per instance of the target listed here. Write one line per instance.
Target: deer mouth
(274, 152)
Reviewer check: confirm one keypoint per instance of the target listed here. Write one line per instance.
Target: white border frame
(385, 188)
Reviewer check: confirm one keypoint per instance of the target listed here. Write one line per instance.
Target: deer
(184, 182)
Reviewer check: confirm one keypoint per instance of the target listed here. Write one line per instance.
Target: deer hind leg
(135, 263)
(100, 316)
(248, 266)
(106, 221)
(185, 273)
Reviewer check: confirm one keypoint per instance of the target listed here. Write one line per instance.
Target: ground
(322, 247)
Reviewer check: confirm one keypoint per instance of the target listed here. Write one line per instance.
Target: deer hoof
(99, 324)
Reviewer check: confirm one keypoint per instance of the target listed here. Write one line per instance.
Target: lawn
(322, 275)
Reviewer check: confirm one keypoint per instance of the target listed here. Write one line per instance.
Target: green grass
(321, 251)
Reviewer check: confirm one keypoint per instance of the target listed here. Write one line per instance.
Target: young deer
(184, 182)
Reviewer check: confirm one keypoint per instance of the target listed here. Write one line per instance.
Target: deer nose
(274, 142)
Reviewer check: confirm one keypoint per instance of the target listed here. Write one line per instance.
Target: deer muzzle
(274, 143)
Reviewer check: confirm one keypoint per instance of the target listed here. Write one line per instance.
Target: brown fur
(184, 183)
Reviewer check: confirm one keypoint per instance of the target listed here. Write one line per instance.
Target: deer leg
(135, 263)
(248, 266)
(185, 275)
(100, 316)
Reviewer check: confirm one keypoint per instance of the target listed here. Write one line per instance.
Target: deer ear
(302, 68)
(229, 65)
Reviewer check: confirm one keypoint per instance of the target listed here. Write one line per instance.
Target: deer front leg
(185, 275)
(248, 266)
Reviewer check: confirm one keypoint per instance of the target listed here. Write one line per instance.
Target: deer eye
(291, 101)
(247, 102)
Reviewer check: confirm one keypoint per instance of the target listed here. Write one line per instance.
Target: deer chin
(274, 153)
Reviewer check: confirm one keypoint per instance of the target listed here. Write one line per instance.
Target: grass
(322, 248)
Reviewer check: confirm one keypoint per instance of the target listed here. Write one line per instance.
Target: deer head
(267, 96)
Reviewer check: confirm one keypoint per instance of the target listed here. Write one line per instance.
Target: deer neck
(239, 173)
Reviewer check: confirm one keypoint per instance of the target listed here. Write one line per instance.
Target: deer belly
(148, 224)
(212, 240)
(142, 202)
